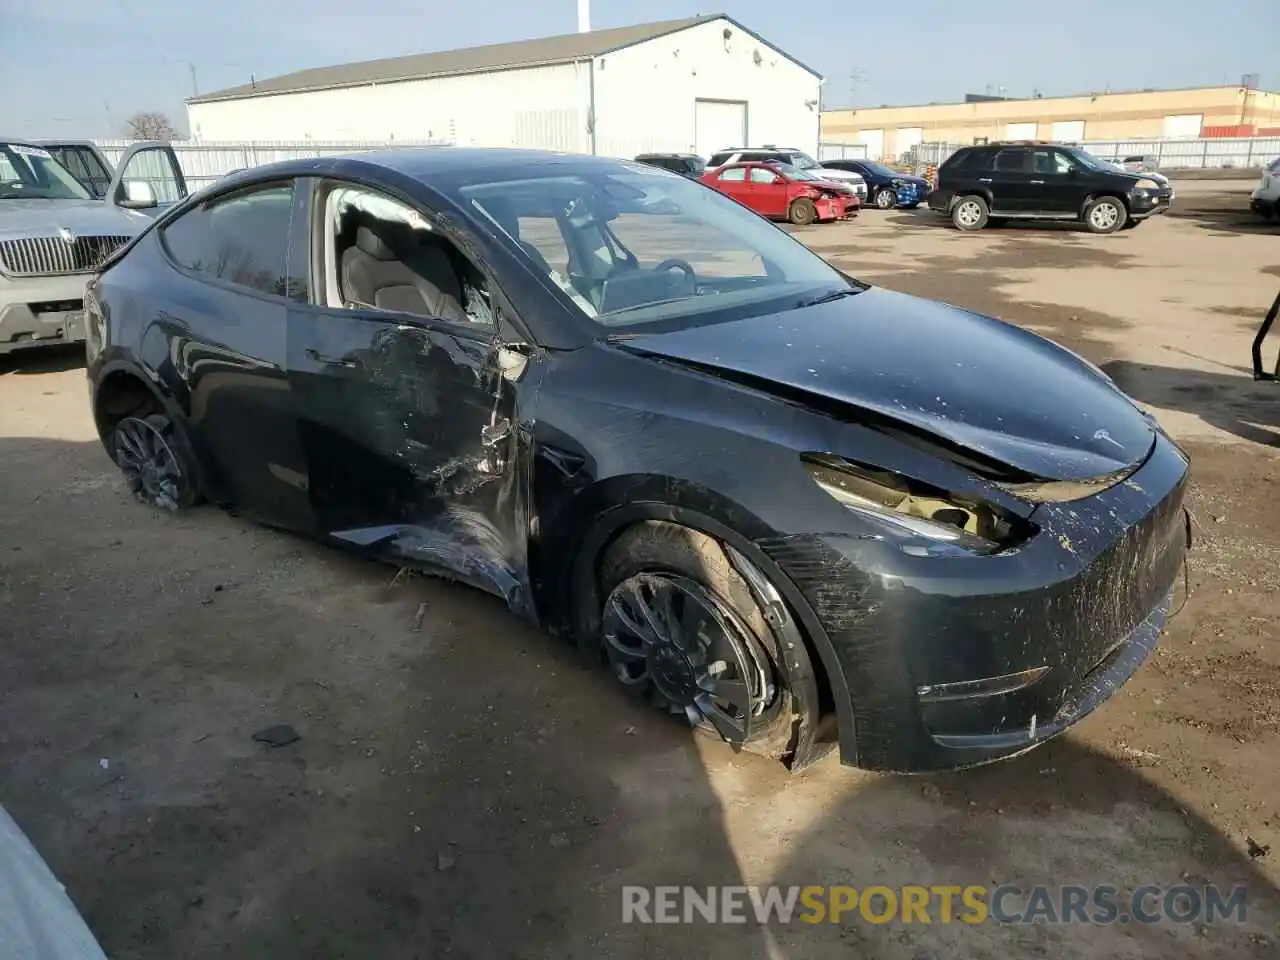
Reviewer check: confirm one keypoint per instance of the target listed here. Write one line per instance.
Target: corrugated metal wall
(535, 107)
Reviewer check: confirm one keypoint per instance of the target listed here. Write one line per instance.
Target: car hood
(984, 385)
(42, 218)
(843, 176)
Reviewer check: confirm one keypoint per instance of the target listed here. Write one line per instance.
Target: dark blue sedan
(886, 188)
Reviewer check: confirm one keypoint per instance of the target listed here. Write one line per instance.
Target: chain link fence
(1245, 153)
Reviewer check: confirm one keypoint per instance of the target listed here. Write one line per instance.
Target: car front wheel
(887, 199)
(802, 212)
(682, 629)
(1105, 215)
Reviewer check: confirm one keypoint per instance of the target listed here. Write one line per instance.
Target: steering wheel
(675, 263)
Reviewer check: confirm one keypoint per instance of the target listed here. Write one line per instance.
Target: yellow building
(889, 132)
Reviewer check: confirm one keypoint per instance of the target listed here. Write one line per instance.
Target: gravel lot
(467, 789)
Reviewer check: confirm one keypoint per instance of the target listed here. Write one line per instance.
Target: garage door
(718, 124)
(1183, 125)
(1068, 131)
(1020, 131)
(873, 140)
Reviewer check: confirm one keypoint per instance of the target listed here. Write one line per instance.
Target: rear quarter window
(719, 159)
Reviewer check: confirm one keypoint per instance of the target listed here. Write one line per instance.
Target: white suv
(1266, 198)
(789, 155)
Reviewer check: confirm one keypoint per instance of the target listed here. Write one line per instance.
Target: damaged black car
(792, 510)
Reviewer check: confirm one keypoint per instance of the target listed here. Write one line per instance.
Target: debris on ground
(281, 735)
(1256, 850)
(417, 617)
(444, 860)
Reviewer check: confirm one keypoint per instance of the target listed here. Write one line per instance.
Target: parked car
(782, 192)
(54, 233)
(1140, 163)
(1265, 199)
(1043, 181)
(792, 158)
(886, 187)
(770, 497)
(686, 164)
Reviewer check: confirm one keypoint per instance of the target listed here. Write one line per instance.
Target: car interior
(384, 255)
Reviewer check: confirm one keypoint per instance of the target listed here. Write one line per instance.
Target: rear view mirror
(138, 195)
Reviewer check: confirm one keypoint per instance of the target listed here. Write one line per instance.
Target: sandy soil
(467, 789)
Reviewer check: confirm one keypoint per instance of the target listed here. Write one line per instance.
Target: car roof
(424, 163)
(680, 156)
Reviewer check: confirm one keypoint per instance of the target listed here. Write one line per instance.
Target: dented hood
(979, 383)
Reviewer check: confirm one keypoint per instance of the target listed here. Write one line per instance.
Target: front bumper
(1085, 599)
(41, 311)
(1150, 204)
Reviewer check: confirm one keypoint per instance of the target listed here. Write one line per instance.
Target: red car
(782, 192)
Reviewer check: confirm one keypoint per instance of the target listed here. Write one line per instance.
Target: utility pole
(856, 78)
(195, 87)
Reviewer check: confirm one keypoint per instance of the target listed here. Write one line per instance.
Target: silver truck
(55, 233)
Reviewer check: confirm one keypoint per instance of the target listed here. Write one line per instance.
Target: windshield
(794, 173)
(31, 173)
(629, 246)
(879, 169)
(803, 161)
(1089, 161)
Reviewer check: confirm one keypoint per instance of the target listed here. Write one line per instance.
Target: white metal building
(696, 85)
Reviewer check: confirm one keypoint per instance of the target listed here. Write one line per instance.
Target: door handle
(984, 179)
(319, 357)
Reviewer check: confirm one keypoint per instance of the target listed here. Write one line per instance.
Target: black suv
(688, 164)
(1043, 181)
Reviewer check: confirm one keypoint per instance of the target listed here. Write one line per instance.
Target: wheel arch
(119, 389)
(1111, 192)
(985, 193)
(577, 600)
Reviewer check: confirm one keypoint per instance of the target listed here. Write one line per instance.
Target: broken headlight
(945, 524)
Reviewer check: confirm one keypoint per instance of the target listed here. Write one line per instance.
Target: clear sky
(80, 67)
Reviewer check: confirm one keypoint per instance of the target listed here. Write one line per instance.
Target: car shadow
(463, 784)
(926, 218)
(1222, 213)
(52, 359)
(1233, 403)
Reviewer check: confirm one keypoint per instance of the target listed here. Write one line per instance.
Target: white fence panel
(203, 162)
(842, 151)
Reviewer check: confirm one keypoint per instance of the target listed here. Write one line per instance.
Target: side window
(382, 254)
(88, 169)
(738, 174)
(1053, 162)
(1011, 161)
(719, 159)
(240, 238)
(761, 175)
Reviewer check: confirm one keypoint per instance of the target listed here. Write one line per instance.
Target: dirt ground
(467, 789)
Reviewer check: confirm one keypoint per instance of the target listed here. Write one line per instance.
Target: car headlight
(897, 182)
(940, 525)
(1146, 183)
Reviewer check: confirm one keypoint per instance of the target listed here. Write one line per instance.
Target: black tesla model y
(787, 507)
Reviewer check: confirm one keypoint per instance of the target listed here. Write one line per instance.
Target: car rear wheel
(970, 213)
(802, 212)
(155, 462)
(682, 629)
(887, 198)
(1105, 215)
